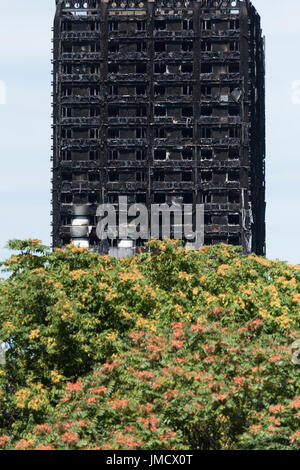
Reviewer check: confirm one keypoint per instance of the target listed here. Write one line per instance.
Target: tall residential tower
(162, 101)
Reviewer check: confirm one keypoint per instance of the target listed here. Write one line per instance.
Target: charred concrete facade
(161, 101)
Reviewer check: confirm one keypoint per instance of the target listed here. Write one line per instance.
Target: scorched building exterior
(161, 101)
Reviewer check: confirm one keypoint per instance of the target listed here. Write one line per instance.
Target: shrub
(172, 349)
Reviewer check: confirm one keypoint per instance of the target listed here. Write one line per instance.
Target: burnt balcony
(92, 15)
(220, 164)
(80, 164)
(117, 164)
(222, 141)
(81, 56)
(169, 142)
(79, 99)
(126, 186)
(80, 144)
(216, 100)
(223, 206)
(80, 186)
(127, 121)
(182, 13)
(127, 56)
(220, 120)
(128, 35)
(220, 34)
(173, 99)
(79, 35)
(128, 142)
(221, 56)
(81, 121)
(173, 77)
(130, 99)
(78, 77)
(174, 56)
(172, 186)
(88, 209)
(212, 186)
(217, 77)
(174, 34)
(116, 78)
(216, 229)
(174, 121)
(174, 164)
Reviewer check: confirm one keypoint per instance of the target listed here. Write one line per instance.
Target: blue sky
(25, 123)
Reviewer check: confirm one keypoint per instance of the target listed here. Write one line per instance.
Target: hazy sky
(25, 122)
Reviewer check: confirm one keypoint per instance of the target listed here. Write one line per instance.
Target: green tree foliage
(174, 349)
